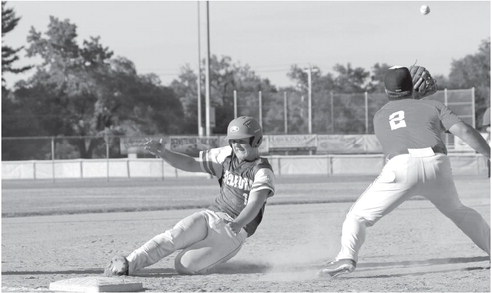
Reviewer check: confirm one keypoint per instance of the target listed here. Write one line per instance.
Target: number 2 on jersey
(397, 120)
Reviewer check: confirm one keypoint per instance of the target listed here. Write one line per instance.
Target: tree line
(85, 91)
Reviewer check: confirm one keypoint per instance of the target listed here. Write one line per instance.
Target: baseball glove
(423, 83)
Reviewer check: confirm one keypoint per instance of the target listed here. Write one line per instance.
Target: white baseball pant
(205, 240)
(421, 172)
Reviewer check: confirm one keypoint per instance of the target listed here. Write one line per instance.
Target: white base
(96, 284)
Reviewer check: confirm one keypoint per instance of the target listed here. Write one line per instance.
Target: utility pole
(207, 78)
(199, 86)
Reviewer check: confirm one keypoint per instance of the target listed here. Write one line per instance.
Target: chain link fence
(323, 113)
(333, 113)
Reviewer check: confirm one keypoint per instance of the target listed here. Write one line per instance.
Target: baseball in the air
(425, 9)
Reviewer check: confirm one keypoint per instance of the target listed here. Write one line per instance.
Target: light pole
(199, 86)
(309, 72)
(207, 79)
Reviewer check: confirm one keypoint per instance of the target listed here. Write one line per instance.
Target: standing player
(486, 125)
(213, 235)
(410, 130)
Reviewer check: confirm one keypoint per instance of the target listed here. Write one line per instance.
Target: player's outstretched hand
(153, 146)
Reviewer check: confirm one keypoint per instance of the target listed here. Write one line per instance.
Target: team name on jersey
(237, 181)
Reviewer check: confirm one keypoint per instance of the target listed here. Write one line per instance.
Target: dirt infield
(415, 248)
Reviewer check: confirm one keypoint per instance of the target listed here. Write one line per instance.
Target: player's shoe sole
(118, 266)
(338, 267)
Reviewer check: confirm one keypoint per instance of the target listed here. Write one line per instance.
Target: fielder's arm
(471, 137)
(256, 200)
(177, 160)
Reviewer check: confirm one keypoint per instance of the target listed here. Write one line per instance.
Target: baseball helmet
(244, 127)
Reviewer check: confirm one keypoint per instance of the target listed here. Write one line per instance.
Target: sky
(163, 36)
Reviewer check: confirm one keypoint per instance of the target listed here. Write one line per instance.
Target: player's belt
(421, 152)
(224, 216)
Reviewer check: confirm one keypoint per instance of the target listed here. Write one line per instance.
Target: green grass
(29, 198)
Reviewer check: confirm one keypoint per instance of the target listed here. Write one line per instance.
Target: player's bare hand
(235, 227)
(153, 146)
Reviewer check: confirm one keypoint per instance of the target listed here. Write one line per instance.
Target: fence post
(285, 114)
(332, 113)
(367, 111)
(310, 104)
(106, 139)
(260, 110)
(331, 165)
(279, 167)
(473, 106)
(446, 104)
(162, 170)
(328, 161)
(53, 158)
(235, 104)
(128, 168)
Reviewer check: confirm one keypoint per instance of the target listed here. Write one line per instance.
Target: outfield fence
(332, 124)
(326, 165)
(328, 112)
